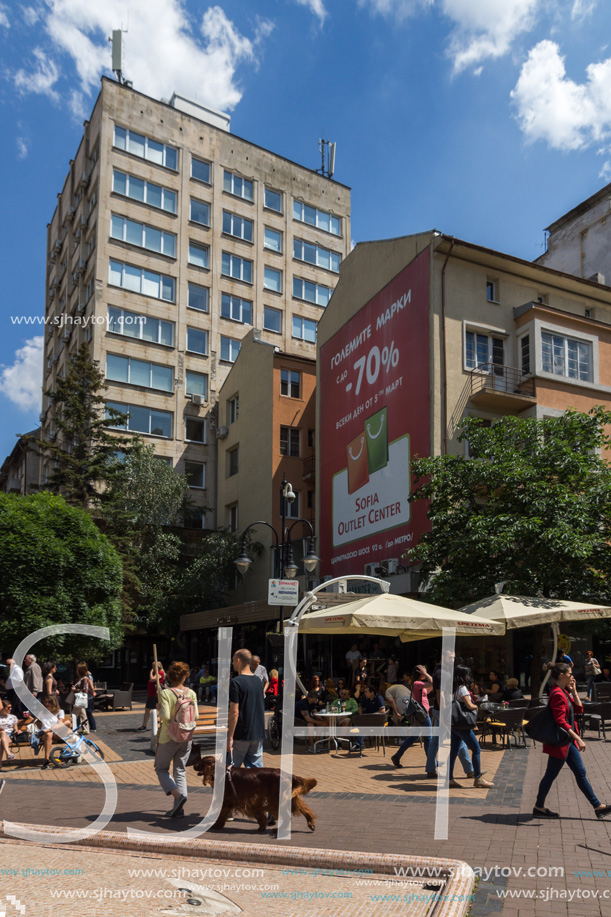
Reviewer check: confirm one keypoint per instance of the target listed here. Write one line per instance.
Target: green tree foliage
(56, 567)
(531, 508)
(82, 454)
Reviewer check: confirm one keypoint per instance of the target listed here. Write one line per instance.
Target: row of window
(167, 156)
(145, 373)
(560, 355)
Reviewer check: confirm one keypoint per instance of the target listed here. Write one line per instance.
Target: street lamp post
(284, 549)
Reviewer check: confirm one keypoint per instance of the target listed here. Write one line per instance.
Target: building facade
(20, 470)
(170, 241)
(579, 242)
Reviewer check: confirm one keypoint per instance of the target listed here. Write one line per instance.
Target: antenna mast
(117, 56)
(327, 154)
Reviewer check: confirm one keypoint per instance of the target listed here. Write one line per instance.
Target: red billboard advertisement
(375, 418)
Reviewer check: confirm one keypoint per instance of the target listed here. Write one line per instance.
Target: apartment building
(20, 470)
(579, 242)
(172, 239)
(421, 332)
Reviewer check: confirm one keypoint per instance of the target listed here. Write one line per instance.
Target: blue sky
(486, 119)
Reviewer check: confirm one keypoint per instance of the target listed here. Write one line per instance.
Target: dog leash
(228, 778)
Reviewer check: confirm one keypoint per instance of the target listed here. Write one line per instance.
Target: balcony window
(481, 349)
(564, 356)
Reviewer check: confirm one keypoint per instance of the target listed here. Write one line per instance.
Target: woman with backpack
(422, 685)
(564, 702)
(178, 714)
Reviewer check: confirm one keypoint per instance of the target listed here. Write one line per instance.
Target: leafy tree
(530, 508)
(83, 452)
(56, 567)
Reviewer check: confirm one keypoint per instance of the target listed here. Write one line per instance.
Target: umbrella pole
(556, 633)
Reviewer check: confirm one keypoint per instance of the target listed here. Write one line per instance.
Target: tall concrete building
(579, 242)
(171, 240)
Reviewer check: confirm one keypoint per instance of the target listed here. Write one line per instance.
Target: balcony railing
(490, 378)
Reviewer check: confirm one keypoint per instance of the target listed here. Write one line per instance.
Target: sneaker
(45, 765)
(432, 775)
(177, 807)
(395, 761)
(455, 785)
(470, 775)
(602, 813)
(547, 813)
(481, 784)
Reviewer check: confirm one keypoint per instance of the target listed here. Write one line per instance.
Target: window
(311, 499)
(146, 148)
(196, 384)
(198, 298)
(525, 354)
(304, 329)
(482, 349)
(232, 517)
(273, 200)
(237, 226)
(234, 184)
(143, 235)
(290, 383)
(290, 441)
(145, 191)
(232, 461)
(197, 341)
(566, 357)
(194, 517)
(272, 319)
(200, 170)
(195, 473)
(272, 240)
(311, 292)
(195, 430)
(198, 254)
(236, 309)
(293, 510)
(230, 349)
(319, 218)
(144, 420)
(165, 459)
(139, 372)
(238, 268)
(491, 291)
(140, 327)
(233, 409)
(138, 280)
(272, 280)
(315, 254)
(199, 212)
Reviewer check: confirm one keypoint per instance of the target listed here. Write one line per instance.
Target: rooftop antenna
(117, 56)
(327, 154)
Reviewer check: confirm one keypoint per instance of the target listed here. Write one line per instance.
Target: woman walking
(151, 700)
(422, 685)
(564, 703)
(465, 734)
(84, 687)
(175, 718)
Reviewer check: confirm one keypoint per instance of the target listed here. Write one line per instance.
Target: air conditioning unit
(222, 432)
(371, 570)
(197, 399)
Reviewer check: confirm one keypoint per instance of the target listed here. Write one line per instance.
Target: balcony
(309, 468)
(501, 388)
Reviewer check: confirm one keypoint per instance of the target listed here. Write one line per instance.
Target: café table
(332, 716)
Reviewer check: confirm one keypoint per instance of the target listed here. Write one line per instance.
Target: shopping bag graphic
(376, 430)
(358, 474)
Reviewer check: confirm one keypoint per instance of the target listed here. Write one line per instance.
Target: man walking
(246, 726)
(261, 672)
(33, 676)
(15, 675)
(592, 670)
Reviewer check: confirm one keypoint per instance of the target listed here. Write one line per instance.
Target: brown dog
(253, 792)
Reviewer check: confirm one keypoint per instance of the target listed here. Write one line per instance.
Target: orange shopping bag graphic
(358, 470)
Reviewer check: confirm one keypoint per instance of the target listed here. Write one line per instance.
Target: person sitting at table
(345, 703)
(362, 674)
(331, 690)
(305, 709)
(512, 691)
(317, 687)
(369, 702)
(494, 686)
(392, 670)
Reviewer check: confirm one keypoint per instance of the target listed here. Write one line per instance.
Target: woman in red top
(422, 685)
(564, 700)
(151, 700)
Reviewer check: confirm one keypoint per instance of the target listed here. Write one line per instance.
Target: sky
(485, 119)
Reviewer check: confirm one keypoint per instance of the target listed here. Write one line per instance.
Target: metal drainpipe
(443, 349)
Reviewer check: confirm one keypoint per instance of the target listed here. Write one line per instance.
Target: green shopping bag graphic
(376, 431)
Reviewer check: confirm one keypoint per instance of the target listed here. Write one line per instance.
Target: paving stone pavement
(366, 805)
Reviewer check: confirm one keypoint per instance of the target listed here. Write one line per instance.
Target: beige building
(579, 242)
(171, 240)
(20, 470)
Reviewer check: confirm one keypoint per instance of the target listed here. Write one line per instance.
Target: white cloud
(582, 9)
(317, 7)
(22, 147)
(21, 383)
(30, 14)
(164, 50)
(40, 80)
(396, 9)
(554, 108)
(4, 20)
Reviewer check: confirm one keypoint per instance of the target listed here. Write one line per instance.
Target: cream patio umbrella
(395, 615)
(526, 611)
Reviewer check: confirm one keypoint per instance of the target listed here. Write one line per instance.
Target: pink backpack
(183, 722)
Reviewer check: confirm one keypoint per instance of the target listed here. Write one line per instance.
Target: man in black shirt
(246, 726)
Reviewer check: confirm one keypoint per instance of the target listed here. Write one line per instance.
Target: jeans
(591, 679)
(431, 758)
(468, 738)
(555, 765)
(90, 716)
(176, 753)
(410, 740)
(247, 752)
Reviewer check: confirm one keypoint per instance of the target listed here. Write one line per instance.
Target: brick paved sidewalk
(366, 805)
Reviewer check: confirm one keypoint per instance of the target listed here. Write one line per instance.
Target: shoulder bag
(544, 728)
(414, 711)
(462, 717)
